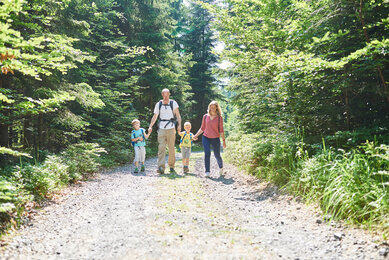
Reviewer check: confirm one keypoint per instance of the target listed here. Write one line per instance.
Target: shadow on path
(261, 193)
(222, 179)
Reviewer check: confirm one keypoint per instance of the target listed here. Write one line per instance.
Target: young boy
(186, 145)
(138, 137)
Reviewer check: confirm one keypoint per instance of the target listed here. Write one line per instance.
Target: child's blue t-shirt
(136, 134)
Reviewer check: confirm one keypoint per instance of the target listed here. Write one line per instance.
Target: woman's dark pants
(215, 142)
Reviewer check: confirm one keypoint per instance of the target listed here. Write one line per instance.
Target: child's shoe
(142, 168)
(186, 169)
(136, 170)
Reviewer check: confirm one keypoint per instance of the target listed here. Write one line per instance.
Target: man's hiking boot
(136, 170)
(142, 168)
(161, 170)
(172, 170)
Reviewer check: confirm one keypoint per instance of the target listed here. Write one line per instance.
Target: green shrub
(269, 157)
(56, 167)
(351, 139)
(41, 180)
(11, 197)
(240, 150)
(349, 185)
(82, 159)
(35, 180)
(119, 150)
(12, 200)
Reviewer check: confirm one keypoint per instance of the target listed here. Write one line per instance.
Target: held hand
(150, 130)
(195, 138)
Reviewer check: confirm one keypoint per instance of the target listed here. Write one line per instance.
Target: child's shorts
(140, 153)
(185, 152)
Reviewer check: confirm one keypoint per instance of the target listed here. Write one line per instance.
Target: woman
(212, 127)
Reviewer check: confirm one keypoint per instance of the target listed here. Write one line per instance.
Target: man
(166, 109)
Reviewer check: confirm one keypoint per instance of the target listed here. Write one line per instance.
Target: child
(138, 137)
(186, 145)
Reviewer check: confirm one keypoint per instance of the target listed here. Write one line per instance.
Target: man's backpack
(143, 135)
(172, 120)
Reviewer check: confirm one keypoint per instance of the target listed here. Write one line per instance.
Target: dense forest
(305, 94)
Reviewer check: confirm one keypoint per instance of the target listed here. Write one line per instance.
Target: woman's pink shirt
(210, 127)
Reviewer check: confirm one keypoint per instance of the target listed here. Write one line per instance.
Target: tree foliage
(318, 64)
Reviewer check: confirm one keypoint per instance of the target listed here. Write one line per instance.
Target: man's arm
(177, 113)
(152, 122)
(147, 134)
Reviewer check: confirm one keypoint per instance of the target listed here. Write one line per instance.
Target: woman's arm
(224, 139)
(222, 133)
(198, 133)
(201, 129)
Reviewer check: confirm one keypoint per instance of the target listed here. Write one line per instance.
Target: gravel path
(122, 215)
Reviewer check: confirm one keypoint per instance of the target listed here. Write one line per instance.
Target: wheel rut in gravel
(121, 215)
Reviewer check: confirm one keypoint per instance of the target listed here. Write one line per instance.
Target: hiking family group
(166, 111)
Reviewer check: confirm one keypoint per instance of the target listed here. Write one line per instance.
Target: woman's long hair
(218, 109)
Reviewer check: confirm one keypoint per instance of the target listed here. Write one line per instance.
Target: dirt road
(122, 215)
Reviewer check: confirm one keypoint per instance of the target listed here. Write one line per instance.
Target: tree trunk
(380, 73)
(347, 110)
(40, 130)
(3, 125)
(27, 133)
(4, 135)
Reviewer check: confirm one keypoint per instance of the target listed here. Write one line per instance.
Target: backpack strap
(132, 136)
(171, 106)
(171, 120)
(218, 123)
(143, 134)
(182, 137)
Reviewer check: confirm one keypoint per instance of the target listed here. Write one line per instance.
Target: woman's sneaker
(207, 174)
(221, 172)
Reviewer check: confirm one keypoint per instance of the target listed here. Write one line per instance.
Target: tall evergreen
(198, 40)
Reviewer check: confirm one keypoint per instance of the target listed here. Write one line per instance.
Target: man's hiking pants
(166, 137)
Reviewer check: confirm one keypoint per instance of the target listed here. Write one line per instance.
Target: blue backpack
(143, 135)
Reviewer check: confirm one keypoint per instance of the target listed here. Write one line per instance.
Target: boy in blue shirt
(138, 140)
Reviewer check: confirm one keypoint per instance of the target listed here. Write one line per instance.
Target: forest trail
(121, 215)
